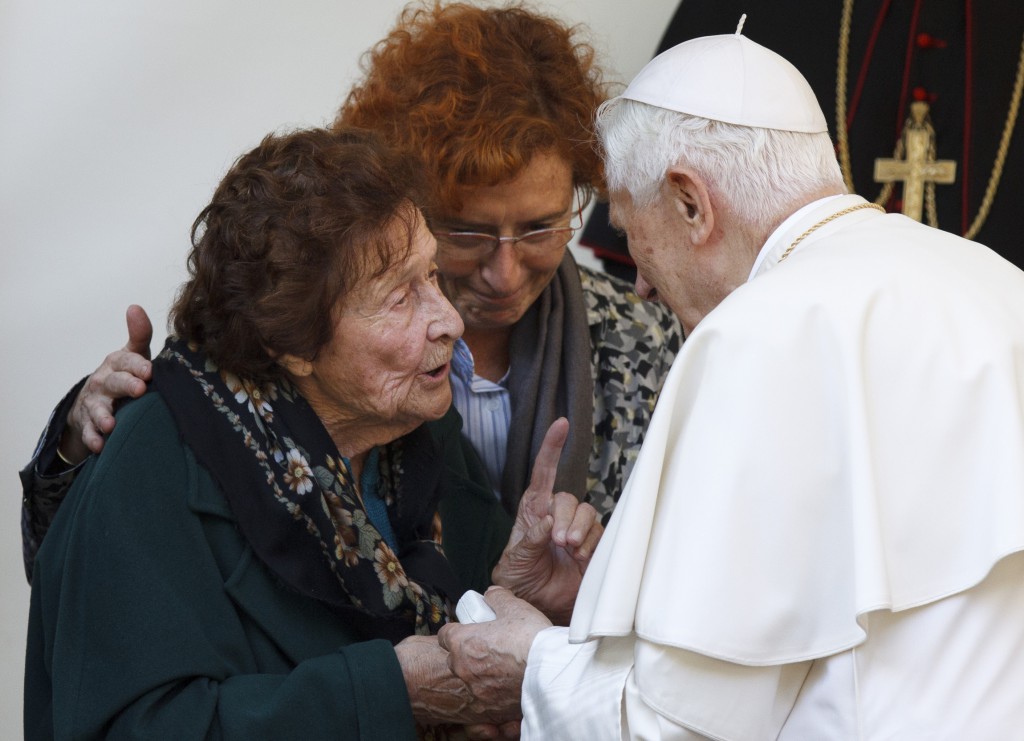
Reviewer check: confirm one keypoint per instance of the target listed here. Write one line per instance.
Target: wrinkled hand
(438, 696)
(491, 657)
(122, 374)
(553, 538)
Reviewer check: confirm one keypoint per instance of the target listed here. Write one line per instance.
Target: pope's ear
(297, 367)
(690, 196)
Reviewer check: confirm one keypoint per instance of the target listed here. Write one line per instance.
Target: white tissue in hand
(473, 609)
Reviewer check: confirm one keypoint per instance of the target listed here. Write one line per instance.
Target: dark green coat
(151, 618)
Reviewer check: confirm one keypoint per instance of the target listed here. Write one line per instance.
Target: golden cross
(919, 166)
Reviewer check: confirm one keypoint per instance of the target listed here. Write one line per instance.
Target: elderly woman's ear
(295, 366)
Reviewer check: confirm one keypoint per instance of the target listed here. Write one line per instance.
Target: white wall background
(117, 119)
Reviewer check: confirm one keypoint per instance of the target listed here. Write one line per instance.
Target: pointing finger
(545, 467)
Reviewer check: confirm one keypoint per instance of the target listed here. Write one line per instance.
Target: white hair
(760, 174)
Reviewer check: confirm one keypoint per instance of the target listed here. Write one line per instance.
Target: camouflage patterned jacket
(634, 343)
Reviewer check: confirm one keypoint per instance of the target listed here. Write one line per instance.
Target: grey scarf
(550, 377)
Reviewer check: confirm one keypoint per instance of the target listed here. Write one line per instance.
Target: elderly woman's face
(388, 362)
(493, 290)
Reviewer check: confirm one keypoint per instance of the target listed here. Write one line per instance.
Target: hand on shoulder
(122, 374)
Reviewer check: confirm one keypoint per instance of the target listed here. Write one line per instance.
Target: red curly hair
(473, 94)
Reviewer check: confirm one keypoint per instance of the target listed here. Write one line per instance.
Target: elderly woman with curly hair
(262, 551)
(494, 106)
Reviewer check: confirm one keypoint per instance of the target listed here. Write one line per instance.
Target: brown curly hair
(474, 93)
(291, 228)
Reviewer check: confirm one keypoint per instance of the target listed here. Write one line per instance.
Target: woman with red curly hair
(495, 106)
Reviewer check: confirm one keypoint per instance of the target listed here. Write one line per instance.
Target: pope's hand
(490, 657)
(553, 538)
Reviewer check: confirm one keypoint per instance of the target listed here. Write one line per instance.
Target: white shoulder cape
(843, 434)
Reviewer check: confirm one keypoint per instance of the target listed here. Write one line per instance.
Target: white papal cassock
(823, 535)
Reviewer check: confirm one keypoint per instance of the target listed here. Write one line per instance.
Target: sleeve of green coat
(45, 482)
(133, 635)
(475, 526)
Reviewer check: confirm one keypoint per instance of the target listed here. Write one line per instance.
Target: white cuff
(573, 692)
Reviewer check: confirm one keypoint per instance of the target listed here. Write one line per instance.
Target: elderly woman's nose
(447, 322)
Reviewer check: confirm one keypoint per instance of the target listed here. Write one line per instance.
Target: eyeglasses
(475, 245)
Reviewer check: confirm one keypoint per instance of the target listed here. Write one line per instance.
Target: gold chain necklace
(826, 220)
(843, 140)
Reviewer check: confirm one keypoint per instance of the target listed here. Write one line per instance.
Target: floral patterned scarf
(297, 504)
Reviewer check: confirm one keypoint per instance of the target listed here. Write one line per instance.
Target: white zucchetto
(729, 78)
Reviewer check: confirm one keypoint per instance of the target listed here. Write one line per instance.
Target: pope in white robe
(823, 536)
